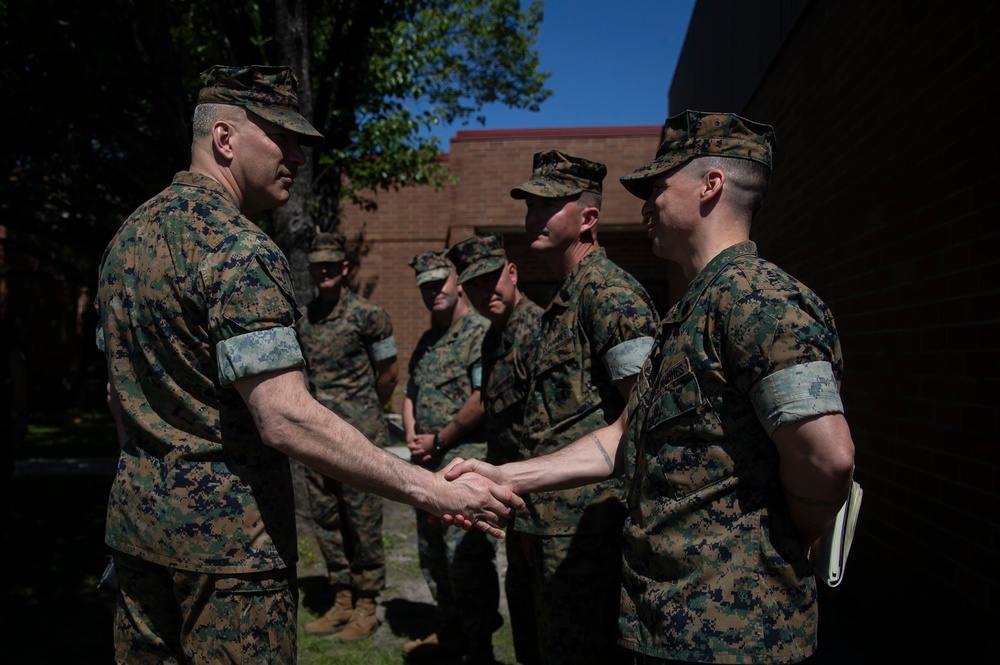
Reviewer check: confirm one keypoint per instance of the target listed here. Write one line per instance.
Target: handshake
(474, 494)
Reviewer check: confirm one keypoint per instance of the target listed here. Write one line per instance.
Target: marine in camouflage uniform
(490, 283)
(351, 367)
(594, 335)
(734, 445)
(190, 293)
(715, 569)
(443, 420)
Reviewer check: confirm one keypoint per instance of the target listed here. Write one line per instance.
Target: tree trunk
(293, 223)
(294, 227)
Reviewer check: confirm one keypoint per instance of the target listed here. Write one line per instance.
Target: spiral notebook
(831, 558)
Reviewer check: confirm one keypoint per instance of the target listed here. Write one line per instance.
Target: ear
(512, 272)
(345, 268)
(222, 139)
(590, 217)
(711, 185)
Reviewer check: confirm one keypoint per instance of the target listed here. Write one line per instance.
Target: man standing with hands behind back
(351, 366)
(195, 308)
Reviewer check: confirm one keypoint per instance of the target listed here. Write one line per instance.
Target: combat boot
(362, 623)
(335, 618)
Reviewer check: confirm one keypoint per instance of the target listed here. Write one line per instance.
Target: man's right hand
(473, 499)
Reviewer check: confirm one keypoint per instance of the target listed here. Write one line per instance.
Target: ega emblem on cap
(555, 174)
(269, 92)
(477, 256)
(695, 133)
(431, 266)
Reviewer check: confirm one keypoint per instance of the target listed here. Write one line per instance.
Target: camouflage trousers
(460, 569)
(577, 596)
(349, 532)
(166, 615)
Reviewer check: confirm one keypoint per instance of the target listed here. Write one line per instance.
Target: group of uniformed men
(670, 476)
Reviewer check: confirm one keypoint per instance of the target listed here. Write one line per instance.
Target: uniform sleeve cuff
(796, 393)
(626, 359)
(256, 353)
(383, 349)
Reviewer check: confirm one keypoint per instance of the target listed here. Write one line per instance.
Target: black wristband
(438, 443)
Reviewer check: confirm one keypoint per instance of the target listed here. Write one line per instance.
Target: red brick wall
(883, 202)
(487, 165)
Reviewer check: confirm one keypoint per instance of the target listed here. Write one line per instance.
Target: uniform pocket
(682, 429)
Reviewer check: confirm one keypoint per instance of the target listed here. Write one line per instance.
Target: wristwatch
(438, 443)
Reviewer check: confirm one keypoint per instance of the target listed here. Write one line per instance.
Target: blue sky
(611, 63)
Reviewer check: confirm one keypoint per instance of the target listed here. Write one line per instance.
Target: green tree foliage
(100, 95)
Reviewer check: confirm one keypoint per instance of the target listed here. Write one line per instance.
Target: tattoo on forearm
(607, 460)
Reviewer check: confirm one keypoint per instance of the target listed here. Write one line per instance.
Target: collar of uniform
(447, 335)
(692, 294)
(317, 308)
(573, 284)
(192, 179)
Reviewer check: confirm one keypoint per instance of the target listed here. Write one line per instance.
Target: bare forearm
(469, 417)
(592, 458)
(290, 420)
(409, 423)
(386, 377)
(316, 437)
(817, 465)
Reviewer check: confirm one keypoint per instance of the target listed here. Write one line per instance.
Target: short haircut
(206, 115)
(748, 180)
(589, 200)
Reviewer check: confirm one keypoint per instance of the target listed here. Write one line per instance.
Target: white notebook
(831, 559)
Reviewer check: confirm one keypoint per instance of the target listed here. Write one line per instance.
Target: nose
(647, 207)
(295, 154)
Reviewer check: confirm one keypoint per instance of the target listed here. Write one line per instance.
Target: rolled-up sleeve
(626, 359)
(257, 352)
(796, 393)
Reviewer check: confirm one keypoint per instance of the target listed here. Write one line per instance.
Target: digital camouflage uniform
(506, 357)
(596, 330)
(599, 318)
(459, 566)
(340, 345)
(713, 569)
(507, 354)
(192, 296)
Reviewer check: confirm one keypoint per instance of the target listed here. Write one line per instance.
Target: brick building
(882, 202)
(486, 165)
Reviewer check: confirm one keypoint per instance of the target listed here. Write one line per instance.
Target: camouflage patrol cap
(269, 92)
(327, 248)
(692, 134)
(431, 266)
(555, 174)
(477, 256)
